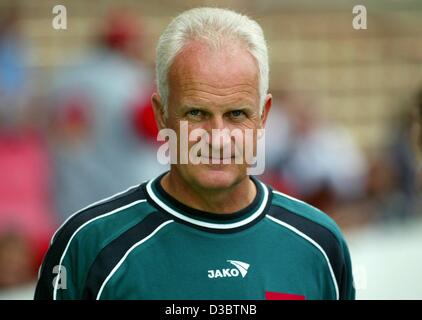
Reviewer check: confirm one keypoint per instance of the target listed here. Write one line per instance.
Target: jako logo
(241, 268)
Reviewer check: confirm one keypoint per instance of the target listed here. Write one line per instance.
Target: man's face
(214, 89)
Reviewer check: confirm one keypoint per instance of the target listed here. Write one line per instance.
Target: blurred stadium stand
(362, 80)
(358, 75)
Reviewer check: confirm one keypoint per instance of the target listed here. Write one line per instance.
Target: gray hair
(210, 25)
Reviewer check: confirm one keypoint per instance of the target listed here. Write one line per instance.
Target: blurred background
(76, 124)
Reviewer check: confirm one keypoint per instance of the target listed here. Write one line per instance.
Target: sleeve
(57, 279)
(346, 286)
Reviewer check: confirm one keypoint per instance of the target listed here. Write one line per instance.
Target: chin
(215, 176)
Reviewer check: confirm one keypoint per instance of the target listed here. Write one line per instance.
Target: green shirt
(144, 244)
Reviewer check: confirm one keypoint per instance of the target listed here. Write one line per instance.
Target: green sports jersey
(144, 244)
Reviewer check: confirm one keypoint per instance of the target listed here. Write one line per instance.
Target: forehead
(228, 67)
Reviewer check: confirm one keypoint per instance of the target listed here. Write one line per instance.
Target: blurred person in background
(16, 260)
(13, 75)
(276, 149)
(393, 187)
(318, 162)
(102, 119)
(26, 218)
(417, 139)
(418, 126)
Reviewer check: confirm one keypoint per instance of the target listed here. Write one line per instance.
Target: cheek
(246, 130)
(252, 121)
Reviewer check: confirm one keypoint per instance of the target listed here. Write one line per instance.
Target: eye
(195, 113)
(237, 114)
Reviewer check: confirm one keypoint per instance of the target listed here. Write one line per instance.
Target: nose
(216, 122)
(218, 134)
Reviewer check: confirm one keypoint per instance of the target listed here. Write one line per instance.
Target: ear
(267, 107)
(158, 111)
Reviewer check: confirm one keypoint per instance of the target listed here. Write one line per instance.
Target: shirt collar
(203, 219)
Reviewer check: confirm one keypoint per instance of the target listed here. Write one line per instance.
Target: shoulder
(304, 216)
(100, 212)
(100, 221)
(321, 232)
(85, 233)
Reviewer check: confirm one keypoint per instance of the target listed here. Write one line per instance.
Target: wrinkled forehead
(227, 65)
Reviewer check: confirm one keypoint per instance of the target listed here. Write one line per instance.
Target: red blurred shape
(282, 296)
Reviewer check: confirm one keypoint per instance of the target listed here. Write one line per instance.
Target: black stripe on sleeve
(321, 235)
(44, 288)
(110, 255)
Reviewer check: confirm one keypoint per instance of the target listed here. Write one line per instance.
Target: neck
(224, 201)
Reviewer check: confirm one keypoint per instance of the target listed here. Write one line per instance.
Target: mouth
(211, 159)
(217, 161)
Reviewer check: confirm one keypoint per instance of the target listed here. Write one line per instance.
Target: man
(202, 231)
